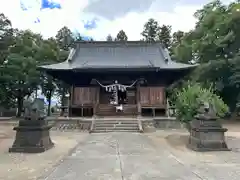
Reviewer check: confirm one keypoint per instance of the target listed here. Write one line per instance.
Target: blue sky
(98, 18)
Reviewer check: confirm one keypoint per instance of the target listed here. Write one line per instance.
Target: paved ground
(160, 155)
(31, 166)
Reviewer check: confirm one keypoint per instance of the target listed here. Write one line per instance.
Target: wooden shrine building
(118, 78)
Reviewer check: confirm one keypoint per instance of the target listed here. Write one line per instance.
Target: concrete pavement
(133, 156)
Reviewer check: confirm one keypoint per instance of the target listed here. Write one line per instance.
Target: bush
(187, 101)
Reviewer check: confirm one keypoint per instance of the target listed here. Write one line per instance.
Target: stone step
(112, 126)
(136, 130)
(116, 125)
(116, 114)
(116, 121)
(106, 110)
(107, 131)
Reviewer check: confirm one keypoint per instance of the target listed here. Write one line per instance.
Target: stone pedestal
(32, 136)
(207, 134)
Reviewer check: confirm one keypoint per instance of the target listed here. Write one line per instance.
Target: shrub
(187, 101)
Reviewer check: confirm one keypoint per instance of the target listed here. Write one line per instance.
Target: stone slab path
(133, 156)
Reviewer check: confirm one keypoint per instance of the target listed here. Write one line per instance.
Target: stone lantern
(206, 131)
(32, 133)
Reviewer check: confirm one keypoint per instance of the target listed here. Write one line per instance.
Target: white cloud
(132, 23)
(71, 15)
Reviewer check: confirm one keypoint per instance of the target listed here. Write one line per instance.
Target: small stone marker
(206, 132)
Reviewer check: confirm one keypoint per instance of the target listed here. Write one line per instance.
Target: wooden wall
(84, 95)
(152, 96)
(131, 96)
(148, 96)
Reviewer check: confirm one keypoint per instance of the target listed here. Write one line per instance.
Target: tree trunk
(49, 107)
(19, 106)
(187, 126)
(36, 93)
(49, 97)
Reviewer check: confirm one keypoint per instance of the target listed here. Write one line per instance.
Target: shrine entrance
(122, 97)
(117, 99)
(117, 94)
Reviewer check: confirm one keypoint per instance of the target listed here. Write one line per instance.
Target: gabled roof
(117, 55)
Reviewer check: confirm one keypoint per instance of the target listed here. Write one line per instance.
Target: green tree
(164, 35)
(77, 36)
(109, 38)
(6, 37)
(189, 97)
(121, 36)
(6, 40)
(48, 87)
(49, 52)
(65, 38)
(20, 78)
(214, 43)
(151, 30)
(62, 88)
(235, 78)
(177, 37)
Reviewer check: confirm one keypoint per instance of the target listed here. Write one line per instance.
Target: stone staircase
(116, 125)
(110, 110)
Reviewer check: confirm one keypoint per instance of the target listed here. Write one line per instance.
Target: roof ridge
(149, 55)
(120, 42)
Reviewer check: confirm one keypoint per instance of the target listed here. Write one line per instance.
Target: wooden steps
(110, 110)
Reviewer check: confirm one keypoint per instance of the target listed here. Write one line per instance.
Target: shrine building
(118, 78)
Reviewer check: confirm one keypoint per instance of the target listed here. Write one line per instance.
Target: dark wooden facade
(90, 101)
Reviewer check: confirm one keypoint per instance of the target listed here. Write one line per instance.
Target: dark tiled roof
(118, 55)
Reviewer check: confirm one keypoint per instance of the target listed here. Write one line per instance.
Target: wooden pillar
(96, 101)
(166, 103)
(98, 94)
(154, 112)
(70, 103)
(138, 101)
